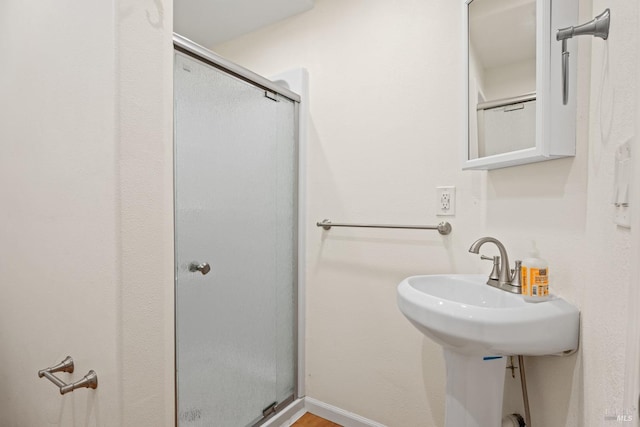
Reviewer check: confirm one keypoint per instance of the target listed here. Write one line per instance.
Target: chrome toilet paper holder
(88, 381)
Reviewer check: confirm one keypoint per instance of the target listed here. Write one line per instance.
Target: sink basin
(462, 313)
(478, 324)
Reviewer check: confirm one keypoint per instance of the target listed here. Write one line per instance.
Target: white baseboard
(337, 415)
(299, 407)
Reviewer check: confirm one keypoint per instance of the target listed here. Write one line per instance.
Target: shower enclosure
(236, 241)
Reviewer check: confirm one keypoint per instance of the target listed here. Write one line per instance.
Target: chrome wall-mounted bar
(443, 228)
(88, 381)
(506, 101)
(597, 27)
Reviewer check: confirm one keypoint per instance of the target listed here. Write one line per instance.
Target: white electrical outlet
(445, 201)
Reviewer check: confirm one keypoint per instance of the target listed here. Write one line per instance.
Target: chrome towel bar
(443, 228)
(88, 381)
(527, 97)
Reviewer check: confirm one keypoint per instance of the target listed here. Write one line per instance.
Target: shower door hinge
(269, 409)
(271, 95)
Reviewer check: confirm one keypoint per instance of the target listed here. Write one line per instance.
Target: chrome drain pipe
(525, 395)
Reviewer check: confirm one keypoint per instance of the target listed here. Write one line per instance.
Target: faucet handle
(516, 274)
(495, 272)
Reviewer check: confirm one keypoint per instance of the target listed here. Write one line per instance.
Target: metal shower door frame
(200, 53)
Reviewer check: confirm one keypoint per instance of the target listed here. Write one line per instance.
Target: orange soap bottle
(535, 276)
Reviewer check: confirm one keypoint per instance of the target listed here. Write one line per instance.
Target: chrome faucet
(507, 280)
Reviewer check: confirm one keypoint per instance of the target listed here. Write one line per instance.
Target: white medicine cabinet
(514, 78)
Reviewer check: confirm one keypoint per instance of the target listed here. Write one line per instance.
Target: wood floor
(310, 420)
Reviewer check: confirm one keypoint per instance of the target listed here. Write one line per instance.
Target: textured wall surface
(59, 218)
(86, 234)
(385, 105)
(145, 169)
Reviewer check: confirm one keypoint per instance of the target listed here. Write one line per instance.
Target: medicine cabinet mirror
(515, 112)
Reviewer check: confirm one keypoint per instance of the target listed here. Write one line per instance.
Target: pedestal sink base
(475, 389)
(467, 317)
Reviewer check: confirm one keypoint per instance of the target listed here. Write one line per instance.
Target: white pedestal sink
(475, 323)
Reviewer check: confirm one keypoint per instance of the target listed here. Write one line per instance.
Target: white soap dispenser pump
(535, 276)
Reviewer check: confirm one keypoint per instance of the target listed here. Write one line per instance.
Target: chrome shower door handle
(203, 268)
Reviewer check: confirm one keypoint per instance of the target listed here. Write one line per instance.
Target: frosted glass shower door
(236, 207)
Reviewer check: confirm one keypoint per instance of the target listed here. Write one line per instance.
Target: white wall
(85, 240)
(385, 106)
(145, 166)
(510, 80)
(612, 120)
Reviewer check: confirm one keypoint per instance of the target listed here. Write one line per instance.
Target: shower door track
(272, 410)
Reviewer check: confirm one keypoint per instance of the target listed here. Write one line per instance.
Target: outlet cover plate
(446, 200)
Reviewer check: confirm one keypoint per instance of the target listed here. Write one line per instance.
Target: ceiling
(209, 22)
